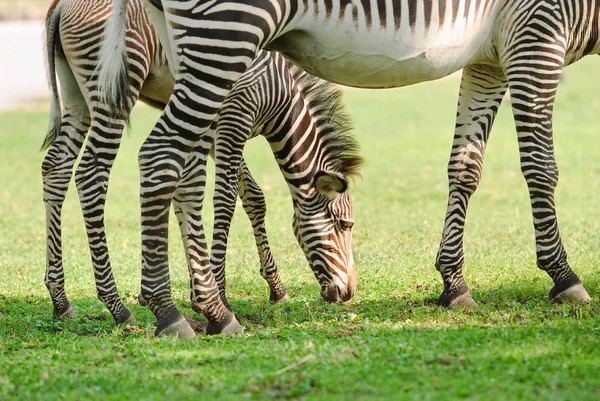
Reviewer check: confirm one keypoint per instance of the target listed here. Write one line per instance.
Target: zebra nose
(331, 293)
(341, 293)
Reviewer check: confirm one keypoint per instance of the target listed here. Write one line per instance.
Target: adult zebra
(292, 109)
(519, 44)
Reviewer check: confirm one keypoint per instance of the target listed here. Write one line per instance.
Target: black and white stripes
(521, 45)
(273, 98)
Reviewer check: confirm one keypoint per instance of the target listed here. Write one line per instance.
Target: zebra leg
(481, 92)
(161, 166)
(533, 88)
(187, 204)
(156, 286)
(162, 158)
(91, 178)
(255, 206)
(228, 153)
(57, 169)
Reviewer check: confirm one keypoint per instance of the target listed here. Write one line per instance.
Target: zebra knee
(464, 178)
(540, 175)
(154, 170)
(57, 169)
(254, 204)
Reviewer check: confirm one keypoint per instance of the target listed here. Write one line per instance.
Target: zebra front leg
(57, 169)
(162, 159)
(533, 89)
(228, 153)
(481, 92)
(255, 206)
(187, 204)
(92, 178)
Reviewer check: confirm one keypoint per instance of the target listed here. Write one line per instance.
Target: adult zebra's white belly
(377, 59)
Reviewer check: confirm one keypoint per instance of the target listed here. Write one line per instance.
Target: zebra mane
(334, 125)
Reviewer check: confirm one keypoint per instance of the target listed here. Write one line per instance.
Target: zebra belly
(376, 60)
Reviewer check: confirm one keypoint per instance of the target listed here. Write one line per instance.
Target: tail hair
(113, 78)
(52, 41)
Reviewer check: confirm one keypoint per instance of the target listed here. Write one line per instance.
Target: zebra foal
(518, 44)
(277, 100)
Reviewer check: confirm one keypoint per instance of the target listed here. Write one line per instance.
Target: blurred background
(22, 67)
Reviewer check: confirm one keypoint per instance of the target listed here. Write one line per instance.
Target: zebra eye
(346, 225)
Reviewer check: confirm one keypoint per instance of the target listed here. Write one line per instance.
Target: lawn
(390, 341)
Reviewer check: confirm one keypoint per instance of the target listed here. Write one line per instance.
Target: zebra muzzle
(341, 292)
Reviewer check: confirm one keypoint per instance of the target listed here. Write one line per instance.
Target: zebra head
(323, 229)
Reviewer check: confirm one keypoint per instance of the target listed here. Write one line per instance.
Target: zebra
(277, 100)
(520, 44)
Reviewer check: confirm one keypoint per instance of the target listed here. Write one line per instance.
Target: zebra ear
(330, 184)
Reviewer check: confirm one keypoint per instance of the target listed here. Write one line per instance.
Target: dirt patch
(198, 326)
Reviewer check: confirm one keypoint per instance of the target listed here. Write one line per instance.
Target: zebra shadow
(504, 304)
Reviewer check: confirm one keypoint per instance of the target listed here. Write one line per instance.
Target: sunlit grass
(390, 341)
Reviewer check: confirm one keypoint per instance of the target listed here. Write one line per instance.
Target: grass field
(390, 341)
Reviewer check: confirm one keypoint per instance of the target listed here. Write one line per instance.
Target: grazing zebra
(519, 44)
(293, 110)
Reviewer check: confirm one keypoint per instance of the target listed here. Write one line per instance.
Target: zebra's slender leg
(255, 206)
(156, 284)
(162, 159)
(57, 169)
(228, 154)
(230, 169)
(187, 203)
(481, 91)
(232, 178)
(533, 84)
(92, 177)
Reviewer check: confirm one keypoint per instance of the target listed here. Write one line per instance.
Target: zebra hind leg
(481, 91)
(255, 206)
(187, 204)
(92, 177)
(532, 103)
(57, 169)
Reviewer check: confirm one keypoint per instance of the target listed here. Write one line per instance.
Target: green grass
(390, 341)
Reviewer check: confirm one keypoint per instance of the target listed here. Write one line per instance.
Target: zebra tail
(113, 78)
(51, 39)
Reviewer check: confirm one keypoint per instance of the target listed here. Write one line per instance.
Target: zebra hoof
(464, 300)
(573, 294)
(278, 297)
(229, 327)
(142, 301)
(68, 313)
(174, 324)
